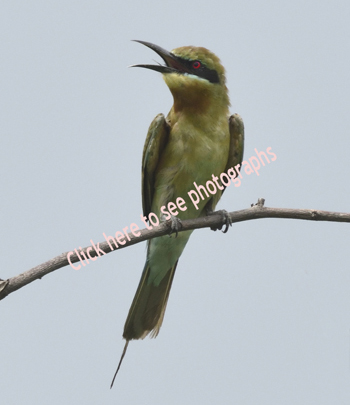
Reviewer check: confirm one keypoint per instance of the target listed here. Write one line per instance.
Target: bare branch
(256, 211)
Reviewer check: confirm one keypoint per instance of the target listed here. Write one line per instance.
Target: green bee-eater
(196, 140)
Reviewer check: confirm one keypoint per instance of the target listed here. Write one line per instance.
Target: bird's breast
(193, 154)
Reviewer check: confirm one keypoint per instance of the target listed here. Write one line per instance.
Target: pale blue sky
(260, 315)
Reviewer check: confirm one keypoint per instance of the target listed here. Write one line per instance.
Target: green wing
(157, 138)
(235, 155)
(236, 127)
(148, 307)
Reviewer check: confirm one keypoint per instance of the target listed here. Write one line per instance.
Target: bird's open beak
(173, 64)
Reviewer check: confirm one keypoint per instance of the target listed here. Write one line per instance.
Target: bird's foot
(174, 224)
(226, 220)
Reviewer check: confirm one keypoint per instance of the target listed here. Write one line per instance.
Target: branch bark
(256, 211)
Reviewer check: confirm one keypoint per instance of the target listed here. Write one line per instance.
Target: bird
(196, 140)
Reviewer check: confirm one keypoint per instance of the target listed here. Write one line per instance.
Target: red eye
(196, 64)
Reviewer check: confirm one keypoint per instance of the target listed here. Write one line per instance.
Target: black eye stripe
(202, 71)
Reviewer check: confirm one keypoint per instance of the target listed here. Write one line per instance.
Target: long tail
(147, 309)
(120, 362)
